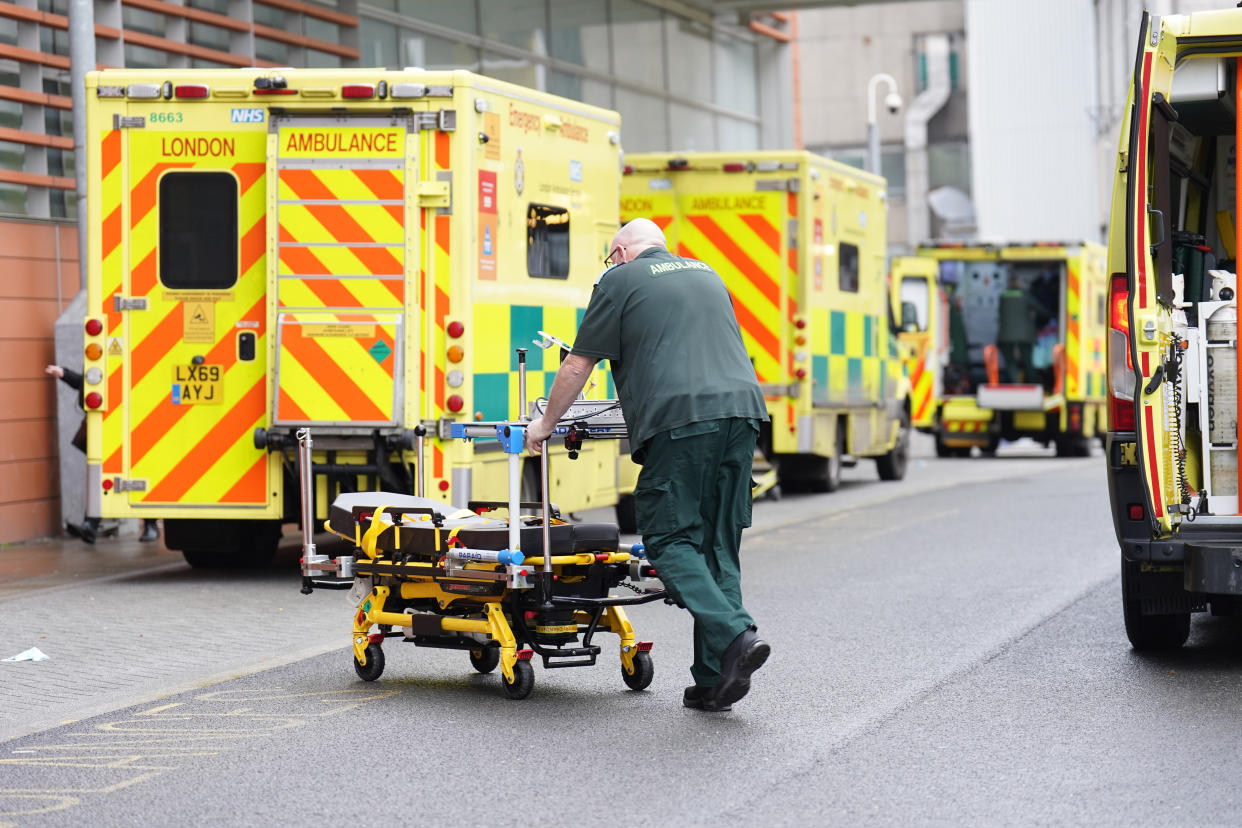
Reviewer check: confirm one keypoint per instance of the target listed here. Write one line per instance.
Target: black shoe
(149, 533)
(702, 698)
(85, 532)
(744, 656)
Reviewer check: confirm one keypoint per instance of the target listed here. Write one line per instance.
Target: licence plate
(198, 384)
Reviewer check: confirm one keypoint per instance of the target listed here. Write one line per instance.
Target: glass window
(736, 75)
(579, 33)
(547, 242)
(893, 168)
(12, 198)
(217, 6)
(140, 57)
(693, 130)
(379, 44)
(272, 50)
(454, 14)
(210, 36)
(596, 93)
(321, 30)
(643, 122)
(948, 165)
(431, 52)
(516, 22)
(914, 292)
(637, 42)
(847, 267)
(689, 58)
(271, 16)
(322, 60)
(141, 20)
(8, 31)
(198, 230)
(736, 134)
(515, 70)
(11, 115)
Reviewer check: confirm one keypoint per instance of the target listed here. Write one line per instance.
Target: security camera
(893, 101)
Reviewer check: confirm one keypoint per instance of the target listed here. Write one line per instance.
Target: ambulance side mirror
(909, 317)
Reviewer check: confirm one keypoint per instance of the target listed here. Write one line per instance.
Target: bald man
(693, 408)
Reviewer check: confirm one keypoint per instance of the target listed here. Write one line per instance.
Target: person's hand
(536, 433)
(55, 371)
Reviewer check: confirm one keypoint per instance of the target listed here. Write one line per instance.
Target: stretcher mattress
(413, 529)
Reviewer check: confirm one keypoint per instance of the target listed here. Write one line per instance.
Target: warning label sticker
(198, 323)
(339, 329)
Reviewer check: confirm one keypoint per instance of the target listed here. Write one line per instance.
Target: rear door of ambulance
(192, 293)
(1148, 259)
(737, 222)
(342, 187)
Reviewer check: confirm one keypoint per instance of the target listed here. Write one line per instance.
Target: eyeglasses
(608, 262)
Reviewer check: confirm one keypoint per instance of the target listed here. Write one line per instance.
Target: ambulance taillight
(1120, 367)
(735, 167)
(357, 90)
(191, 91)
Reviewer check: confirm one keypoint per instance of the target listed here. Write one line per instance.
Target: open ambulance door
(341, 188)
(1149, 290)
(917, 308)
(194, 303)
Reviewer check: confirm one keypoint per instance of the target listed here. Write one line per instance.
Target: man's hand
(54, 371)
(536, 433)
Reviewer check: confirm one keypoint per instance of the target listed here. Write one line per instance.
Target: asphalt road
(946, 651)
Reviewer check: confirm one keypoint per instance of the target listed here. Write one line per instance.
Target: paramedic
(1019, 315)
(693, 408)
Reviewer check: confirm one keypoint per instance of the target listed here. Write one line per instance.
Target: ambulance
(922, 336)
(800, 243)
(1174, 238)
(357, 252)
(992, 382)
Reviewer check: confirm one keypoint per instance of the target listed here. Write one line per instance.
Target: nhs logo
(247, 116)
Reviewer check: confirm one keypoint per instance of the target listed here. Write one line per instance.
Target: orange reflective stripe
(142, 197)
(330, 376)
(110, 152)
(383, 183)
(247, 174)
(253, 246)
(203, 455)
(289, 410)
(301, 261)
(156, 345)
(143, 276)
(745, 265)
(763, 229)
(110, 232)
(379, 261)
(251, 487)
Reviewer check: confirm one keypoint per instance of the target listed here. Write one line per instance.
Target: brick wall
(34, 255)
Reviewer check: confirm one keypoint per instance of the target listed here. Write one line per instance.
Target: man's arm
(571, 378)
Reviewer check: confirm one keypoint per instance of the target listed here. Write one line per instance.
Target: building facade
(683, 75)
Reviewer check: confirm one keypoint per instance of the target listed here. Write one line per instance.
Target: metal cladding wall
(1032, 81)
(34, 257)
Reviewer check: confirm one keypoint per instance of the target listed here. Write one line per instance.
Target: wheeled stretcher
(485, 578)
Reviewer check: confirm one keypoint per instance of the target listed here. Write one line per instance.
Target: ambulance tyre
(485, 659)
(523, 681)
(1149, 632)
(374, 668)
(1073, 445)
(892, 466)
(644, 672)
(627, 515)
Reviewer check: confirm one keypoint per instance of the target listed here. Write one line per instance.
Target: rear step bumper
(1215, 569)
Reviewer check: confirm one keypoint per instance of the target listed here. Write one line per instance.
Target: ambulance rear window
(847, 267)
(198, 230)
(547, 242)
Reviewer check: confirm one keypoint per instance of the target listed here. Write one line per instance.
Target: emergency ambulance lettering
(575, 132)
(727, 203)
(197, 147)
(523, 120)
(335, 142)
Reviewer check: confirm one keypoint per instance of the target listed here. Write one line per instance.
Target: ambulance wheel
(644, 672)
(1150, 632)
(523, 681)
(1073, 445)
(832, 477)
(485, 659)
(892, 466)
(374, 667)
(627, 515)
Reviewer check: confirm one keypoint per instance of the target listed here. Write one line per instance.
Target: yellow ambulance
(1022, 345)
(354, 251)
(922, 336)
(1174, 236)
(800, 242)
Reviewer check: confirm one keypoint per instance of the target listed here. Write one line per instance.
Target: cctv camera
(893, 101)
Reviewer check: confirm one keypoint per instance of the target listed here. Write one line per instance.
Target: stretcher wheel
(485, 659)
(644, 672)
(523, 681)
(374, 667)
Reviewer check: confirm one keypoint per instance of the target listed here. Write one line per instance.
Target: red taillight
(191, 90)
(357, 90)
(444, 485)
(628, 170)
(275, 91)
(1136, 511)
(107, 485)
(94, 327)
(735, 167)
(799, 323)
(1121, 381)
(800, 373)
(455, 403)
(93, 400)
(456, 329)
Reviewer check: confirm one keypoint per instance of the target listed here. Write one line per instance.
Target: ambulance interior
(1016, 306)
(1193, 185)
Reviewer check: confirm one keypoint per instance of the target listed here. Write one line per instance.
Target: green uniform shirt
(667, 325)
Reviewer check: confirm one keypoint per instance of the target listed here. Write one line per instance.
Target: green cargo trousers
(692, 502)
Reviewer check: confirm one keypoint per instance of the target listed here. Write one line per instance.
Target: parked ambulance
(354, 251)
(1017, 349)
(1173, 437)
(800, 242)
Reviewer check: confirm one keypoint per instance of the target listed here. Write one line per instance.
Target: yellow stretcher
(484, 578)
